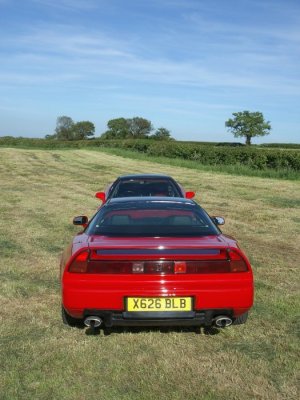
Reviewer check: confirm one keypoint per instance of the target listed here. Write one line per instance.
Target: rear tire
(68, 320)
(241, 319)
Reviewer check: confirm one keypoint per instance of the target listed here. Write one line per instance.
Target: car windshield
(145, 187)
(152, 218)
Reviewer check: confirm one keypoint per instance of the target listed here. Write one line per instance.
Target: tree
(64, 128)
(162, 134)
(83, 129)
(248, 124)
(118, 128)
(130, 128)
(139, 127)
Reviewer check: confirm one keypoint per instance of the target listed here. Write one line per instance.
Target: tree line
(243, 124)
(118, 128)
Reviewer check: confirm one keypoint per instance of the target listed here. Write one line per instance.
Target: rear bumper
(105, 296)
(195, 318)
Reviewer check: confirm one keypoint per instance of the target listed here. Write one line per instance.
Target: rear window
(145, 187)
(159, 218)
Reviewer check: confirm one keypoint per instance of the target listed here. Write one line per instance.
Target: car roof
(150, 199)
(144, 176)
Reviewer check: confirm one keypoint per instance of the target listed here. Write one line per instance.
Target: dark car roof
(136, 180)
(142, 176)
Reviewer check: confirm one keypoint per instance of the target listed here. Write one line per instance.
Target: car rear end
(158, 281)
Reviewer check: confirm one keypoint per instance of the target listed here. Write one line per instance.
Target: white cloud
(69, 4)
(57, 54)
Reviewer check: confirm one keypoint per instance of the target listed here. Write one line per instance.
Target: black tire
(241, 319)
(68, 320)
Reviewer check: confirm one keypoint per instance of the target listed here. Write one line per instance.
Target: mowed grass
(42, 190)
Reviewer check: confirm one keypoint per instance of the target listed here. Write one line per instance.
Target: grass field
(42, 190)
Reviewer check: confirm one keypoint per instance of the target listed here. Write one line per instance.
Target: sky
(185, 65)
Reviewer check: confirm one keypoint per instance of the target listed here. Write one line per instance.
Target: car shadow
(208, 331)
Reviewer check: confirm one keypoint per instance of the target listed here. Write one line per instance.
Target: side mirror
(218, 220)
(189, 195)
(101, 196)
(81, 220)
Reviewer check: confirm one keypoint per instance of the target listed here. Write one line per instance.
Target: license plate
(159, 304)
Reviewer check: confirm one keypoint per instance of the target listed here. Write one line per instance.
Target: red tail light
(101, 196)
(237, 263)
(110, 267)
(208, 267)
(80, 263)
(189, 195)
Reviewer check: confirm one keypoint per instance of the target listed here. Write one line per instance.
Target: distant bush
(230, 144)
(9, 141)
(281, 145)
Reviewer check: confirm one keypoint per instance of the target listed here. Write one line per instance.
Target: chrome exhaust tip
(93, 321)
(222, 321)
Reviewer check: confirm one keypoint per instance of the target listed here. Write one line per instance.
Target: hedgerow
(254, 157)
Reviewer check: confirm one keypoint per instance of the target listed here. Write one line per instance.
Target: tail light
(208, 267)
(237, 263)
(228, 261)
(80, 263)
(189, 195)
(101, 196)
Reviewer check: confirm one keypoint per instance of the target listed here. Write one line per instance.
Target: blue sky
(186, 65)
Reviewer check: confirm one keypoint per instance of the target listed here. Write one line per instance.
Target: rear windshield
(159, 218)
(145, 187)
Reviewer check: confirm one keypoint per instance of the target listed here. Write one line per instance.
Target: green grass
(41, 191)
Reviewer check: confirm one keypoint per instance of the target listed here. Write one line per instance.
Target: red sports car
(153, 262)
(144, 185)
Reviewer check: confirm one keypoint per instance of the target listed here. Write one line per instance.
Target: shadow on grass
(209, 331)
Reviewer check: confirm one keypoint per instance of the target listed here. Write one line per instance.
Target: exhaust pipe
(222, 321)
(93, 321)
